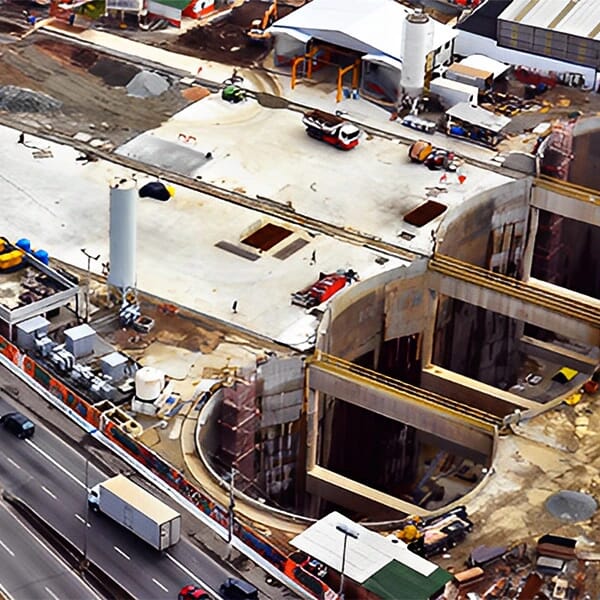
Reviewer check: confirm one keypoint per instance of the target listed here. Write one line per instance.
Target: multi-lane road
(29, 569)
(50, 477)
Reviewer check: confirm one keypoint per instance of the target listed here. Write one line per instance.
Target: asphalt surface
(50, 477)
(29, 569)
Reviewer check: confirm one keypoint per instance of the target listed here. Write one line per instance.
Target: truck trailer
(331, 129)
(137, 510)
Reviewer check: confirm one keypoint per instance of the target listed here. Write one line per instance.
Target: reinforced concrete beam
(522, 310)
(393, 404)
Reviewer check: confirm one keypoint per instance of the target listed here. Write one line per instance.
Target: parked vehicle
(439, 534)
(137, 510)
(331, 129)
(324, 288)
(238, 589)
(415, 122)
(18, 424)
(233, 93)
(258, 28)
(192, 592)
(433, 158)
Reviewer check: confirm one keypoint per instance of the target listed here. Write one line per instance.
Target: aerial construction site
(397, 326)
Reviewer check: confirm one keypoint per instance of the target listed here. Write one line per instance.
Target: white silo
(416, 44)
(122, 232)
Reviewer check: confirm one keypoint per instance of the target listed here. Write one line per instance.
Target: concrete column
(428, 332)
(534, 217)
(312, 428)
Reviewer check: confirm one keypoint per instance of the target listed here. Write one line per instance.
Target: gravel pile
(146, 84)
(16, 99)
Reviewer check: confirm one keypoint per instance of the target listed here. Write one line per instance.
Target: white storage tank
(416, 44)
(122, 233)
(149, 383)
(79, 341)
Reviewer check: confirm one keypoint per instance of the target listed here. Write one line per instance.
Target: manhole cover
(571, 506)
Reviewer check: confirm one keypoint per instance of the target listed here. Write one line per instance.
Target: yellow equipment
(257, 31)
(11, 259)
(410, 532)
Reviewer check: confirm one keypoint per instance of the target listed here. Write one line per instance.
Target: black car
(18, 424)
(237, 589)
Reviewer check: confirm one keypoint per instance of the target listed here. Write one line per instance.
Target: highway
(29, 569)
(49, 476)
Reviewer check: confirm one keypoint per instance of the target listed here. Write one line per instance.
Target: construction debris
(15, 99)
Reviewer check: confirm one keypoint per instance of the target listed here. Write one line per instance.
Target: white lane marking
(6, 548)
(121, 552)
(56, 464)
(192, 576)
(80, 518)
(51, 593)
(12, 462)
(160, 585)
(48, 492)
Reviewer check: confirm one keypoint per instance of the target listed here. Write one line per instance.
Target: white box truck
(137, 510)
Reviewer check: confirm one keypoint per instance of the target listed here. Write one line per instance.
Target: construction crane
(258, 29)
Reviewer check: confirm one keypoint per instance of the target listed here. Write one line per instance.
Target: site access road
(49, 476)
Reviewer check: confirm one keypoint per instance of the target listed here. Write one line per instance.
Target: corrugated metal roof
(367, 26)
(575, 17)
(365, 556)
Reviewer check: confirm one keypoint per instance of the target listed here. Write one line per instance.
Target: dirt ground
(225, 40)
(90, 87)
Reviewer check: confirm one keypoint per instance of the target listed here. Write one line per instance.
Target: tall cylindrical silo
(122, 233)
(418, 33)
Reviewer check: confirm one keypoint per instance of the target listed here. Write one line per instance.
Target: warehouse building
(559, 36)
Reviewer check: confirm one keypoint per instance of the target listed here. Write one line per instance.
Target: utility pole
(231, 516)
(90, 258)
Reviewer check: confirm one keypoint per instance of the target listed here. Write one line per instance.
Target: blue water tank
(457, 130)
(42, 256)
(24, 244)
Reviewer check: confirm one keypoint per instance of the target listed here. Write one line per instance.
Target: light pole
(84, 559)
(90, 258)
(230, 520)
(347, 533)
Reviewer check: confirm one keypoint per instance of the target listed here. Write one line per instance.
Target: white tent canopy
(370, 26)
(365, 555)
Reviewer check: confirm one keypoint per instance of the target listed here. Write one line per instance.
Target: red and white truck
(324, 288)
(331, 129)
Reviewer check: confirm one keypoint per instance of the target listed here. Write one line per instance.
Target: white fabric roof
(381, 58)
(478, 116)
(371, 26)
(485, 63)
(365, 556)
(580, 18)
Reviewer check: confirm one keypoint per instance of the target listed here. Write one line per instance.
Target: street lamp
(230, 520)
(90, 258)
(83, 565)
(347, 533)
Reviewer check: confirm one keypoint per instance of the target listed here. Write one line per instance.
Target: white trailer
(450, 93)
(137, 510)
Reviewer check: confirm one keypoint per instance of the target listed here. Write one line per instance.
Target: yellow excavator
(258, 29)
